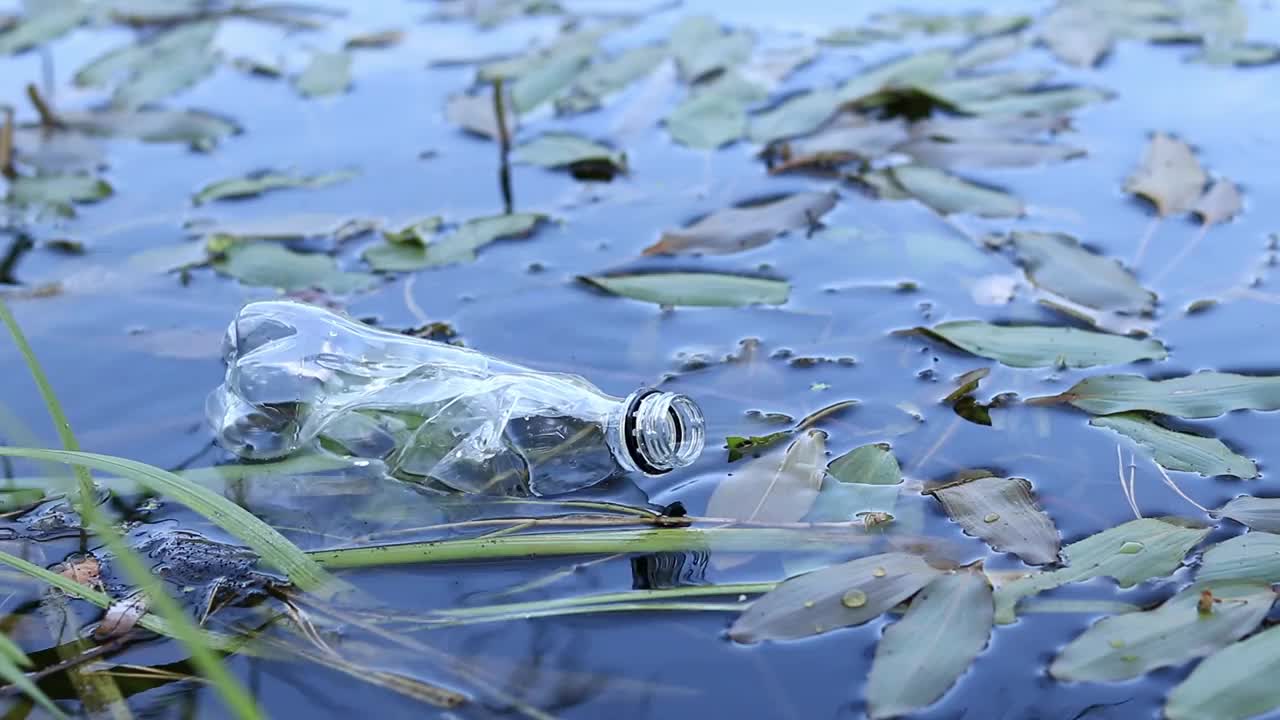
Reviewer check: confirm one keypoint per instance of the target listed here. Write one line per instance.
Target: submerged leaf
(270, 265)
(773, 491)
(1180, 451)
(694, 288)
(834, 597)
(986, 153)
(1131, 553)
(1126, 646)
(922, 655)
(948, 194)
(1059, 264)
(1002, 512)
(328, 73)
(1220, 203)
(1235, 683)
(1252, 557)
(258, 183)
(1169, 176)
(1255, 512)
(1201, 395)
(741, 228)
(1029, 346)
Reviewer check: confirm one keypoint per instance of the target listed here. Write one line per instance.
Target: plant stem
(594, 609)
(633, 597)
(504, 146)
(48, 118)
(6, 145)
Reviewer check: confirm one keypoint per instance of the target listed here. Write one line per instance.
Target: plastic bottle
(299, 375)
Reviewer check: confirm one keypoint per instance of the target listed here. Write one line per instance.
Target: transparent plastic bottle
(299, 375)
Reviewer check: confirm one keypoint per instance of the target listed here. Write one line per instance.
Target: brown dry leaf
(122, 616)
(83, 569)
(741, 228)
(1220, 203)
(1170, 176)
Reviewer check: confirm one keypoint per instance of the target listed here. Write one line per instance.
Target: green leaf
(1003, 512)
(1131, 553)
(1126, 646)
(1169, 176)
(864, 480)
(274, 549)
(740, 446)
(986, 153)
(922, 655)
(708, 119)
(917, 70)
(1239, 53)
(44, 21)
(614, 74)
(772, 491)
(834, 597)
(460, 246)
(328, 73)
(1078, 34)
(1013, 127)
(1031, 346)
(872, 464)
(969, 88)
(266, 264)
(1202, 395)
(476, 114)
(174, 61)
(694, 288)
(548, 76)
(701, 47)
(990, 50)
(1180, 451)
(798, 115)
(265, 181)
(1058, 264)
(1039, 102)
(1220, 203)
(741, 228)
(1235, 683)
(1255, 512)
(1254, 556)
(195, 127)
(948, 194)
(59, 192)
(555, 150)
(123, 62)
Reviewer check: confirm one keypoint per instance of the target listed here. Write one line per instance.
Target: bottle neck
(656, 432)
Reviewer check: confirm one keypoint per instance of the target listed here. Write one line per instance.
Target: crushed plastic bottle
(298, 375)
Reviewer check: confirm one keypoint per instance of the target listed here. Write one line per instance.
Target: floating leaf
(1029, 346)
(475, 113)
(1202, 395)
(694, 288)
(1002, 512)
(44, 22)
(742, 228)
(172, 62)
(799, 115)
(457, 247)
(867, 465)
(608, 76)
(1040, 102)
(59, 192)
(55, 152)
(922, 655)
(1238, 53)
(1078, 34)
(1235, 683)
(707, 120)
(1170, 176)
(1258, 513)
(1180, 451)
(770, 491)
(851, 137)
(1126, 646)
(920, 69)
(1131, 553)
(550, 74)
(554, 150)
(1220, 203)
(219, 235)
(701, 47)
(947, 193)
(271, 265)
(964, 89)
(834, 597)
(864, 480)
(1059, 264)
(130, 60)
(258, 183)
(1251, 557)
(986, 153)
(403, 250)
(1012, 127)
(375, 40)
(328, 73)
(990, 50)
(198, 128)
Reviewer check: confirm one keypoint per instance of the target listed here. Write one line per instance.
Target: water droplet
(808, 603)
(1132, 547)
(853, 599)
(991, 517)
(879, 572)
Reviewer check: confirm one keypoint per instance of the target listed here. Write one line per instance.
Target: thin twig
(48, 118)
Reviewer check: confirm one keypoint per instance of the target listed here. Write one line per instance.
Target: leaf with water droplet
(1003, 512)
(1174, 450)
(1029, 346)
(814, 603)
(922, 655)
(741, 228)
(1169, 176)
(1164, 542)
(694, 288)
(1126, 646)
(1201, 395)
(1059, 264)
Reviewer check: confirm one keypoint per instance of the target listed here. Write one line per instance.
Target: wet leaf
(851, 137)
(1180, 451)
(195, 127)
(1255, 512)
(58, 192)
(1040, 102)
(922, 655)
(457, 247)
(1000, 127)
(257, 183)
(1126, 646)
(1059, 264)
(708, 120)
(963, 89)
(1029, 346)
(990, 50)
(616, 73)
(219, 235)
(948, 194)
(1244, 54)
(1254, 556)
(328, 73)
(129, 60)
(555, 150)
(986, 153)
(551, 74)
(694, 288)
(798, 115)
(375, 40)
(773, 491)
(44, 21)
(475, 113)
(57, 152)
(1202, 395)
(867, 465)
(1169, 176)
(1235, 683)
(740, 447)
(122, 617)
(864, 480)
(1078, 34)
(834, 597)
(1131, 553)
(701, 47)
(1220, 203)
(267, 264)
(1003, 512)
(741, 228)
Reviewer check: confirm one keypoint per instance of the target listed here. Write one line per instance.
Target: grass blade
(12, 660)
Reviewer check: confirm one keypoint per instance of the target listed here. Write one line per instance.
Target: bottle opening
(662, 431)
